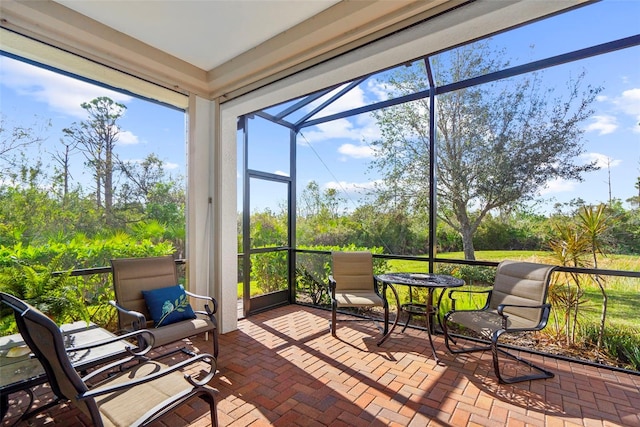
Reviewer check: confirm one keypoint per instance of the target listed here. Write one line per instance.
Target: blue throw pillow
(168, 305)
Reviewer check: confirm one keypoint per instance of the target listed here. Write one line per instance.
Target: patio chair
(516, 303)
(352, 285)
(125, 393)
(148, 297)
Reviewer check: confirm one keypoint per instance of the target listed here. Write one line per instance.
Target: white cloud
(603, 124)
(629, 102)
(61, 93)
(601, 160)
(127, 138)
(360, 128)
(378, 89)
(341, 128)
(356, 151)
(356, 128)
(558, 185)
(171, 166)
(281, 173)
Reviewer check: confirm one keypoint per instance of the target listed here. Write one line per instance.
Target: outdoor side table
(431, 282)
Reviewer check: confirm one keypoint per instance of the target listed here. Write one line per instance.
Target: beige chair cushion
(517, 283)
(123, 408)
(521, 283)
(133, 275)
(353, 271)
(358, 299)
(485, 322)
(177, 331)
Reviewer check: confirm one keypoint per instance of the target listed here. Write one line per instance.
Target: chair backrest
(133, 275)
(353, 270)
(522, 283)
(46, 342)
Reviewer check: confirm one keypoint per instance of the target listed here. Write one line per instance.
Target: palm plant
(569, 248)
(594, 222)
(578, 243)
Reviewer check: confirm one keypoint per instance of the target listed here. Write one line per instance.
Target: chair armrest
(501, 307)
(212, 300)
(148, 338)
(132, 355)
(128, 384)
(378, 287)
(332, 286)
(140, 321)
(466, 291)
(542, 324)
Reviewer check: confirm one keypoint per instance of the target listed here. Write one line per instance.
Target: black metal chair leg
(543, 373)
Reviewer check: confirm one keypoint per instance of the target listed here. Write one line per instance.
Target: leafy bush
(41, 276)
(269, 271)
(623, 344)
(471, 274)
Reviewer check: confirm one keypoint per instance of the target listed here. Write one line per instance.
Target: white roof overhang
(163, 49)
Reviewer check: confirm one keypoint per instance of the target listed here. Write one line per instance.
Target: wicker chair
(352, 285)
(132, 276)
(125, 393)
(517, 303)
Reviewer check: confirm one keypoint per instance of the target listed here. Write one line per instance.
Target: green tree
(497, 144)
(96, 138)
(320, 205)
(566, 293)
(636, 199)
(149, 193)
(319, 220)
(142, 177)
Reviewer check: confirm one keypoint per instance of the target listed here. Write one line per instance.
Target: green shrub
(622, 344)
(41, 276)
(471, 274)
(269, 271)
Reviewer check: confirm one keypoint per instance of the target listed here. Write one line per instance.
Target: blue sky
(337, 154)
(31, 96)
(340, 151)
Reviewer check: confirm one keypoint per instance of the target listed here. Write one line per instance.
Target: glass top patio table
(428, 281)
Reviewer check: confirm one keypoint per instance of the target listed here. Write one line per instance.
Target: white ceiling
(204, 33)
(212, 48)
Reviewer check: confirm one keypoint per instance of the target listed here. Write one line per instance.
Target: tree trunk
(603, 318)
(108, 185)
(98, 191)
(467, 243)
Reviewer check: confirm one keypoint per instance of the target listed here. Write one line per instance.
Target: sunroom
(314, 57)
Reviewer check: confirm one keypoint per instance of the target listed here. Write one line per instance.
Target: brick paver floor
(283, 368)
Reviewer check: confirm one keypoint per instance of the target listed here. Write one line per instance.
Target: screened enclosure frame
(431, 93)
